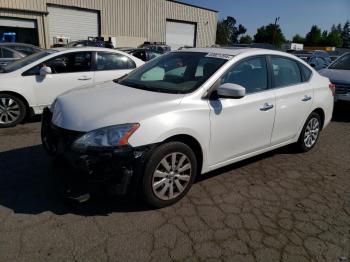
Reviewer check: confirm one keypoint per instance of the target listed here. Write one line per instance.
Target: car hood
(336, 76)
(107, 104)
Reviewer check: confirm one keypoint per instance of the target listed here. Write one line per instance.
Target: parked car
(317, 59)
(158, 47)
(186, 113)
(339, 74)
(8, 55)
(32, 83)
(142, 53)
(92, 42)
(23, 48)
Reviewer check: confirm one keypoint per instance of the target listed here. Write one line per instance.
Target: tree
(323, 40)
(334, 38)
(227, 32)
(298, 39)
(345, 34)
(270, 34)
(313, 38)
(246, 39)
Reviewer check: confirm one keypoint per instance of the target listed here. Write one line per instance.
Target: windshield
(342, 63)
(26, 61)
(176, 72)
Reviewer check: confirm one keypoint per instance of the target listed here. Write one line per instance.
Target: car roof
(18, 44)
(237, 51)
(85, 48)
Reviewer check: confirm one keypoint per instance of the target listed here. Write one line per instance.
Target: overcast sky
(297, 16)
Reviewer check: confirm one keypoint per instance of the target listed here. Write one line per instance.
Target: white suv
(184, 114)
(32, 83)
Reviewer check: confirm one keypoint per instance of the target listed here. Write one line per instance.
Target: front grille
(342, 89)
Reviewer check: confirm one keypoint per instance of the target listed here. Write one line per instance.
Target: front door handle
(266, 107)
(84, 78)
(306, 98)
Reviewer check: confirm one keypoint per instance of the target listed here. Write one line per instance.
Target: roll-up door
(77, 24)
(180, 34)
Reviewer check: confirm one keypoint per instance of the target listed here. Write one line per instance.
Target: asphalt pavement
(280, 206)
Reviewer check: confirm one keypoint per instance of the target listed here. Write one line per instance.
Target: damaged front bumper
(113, 170)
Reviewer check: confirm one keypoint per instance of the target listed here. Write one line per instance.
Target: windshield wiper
(117, 80)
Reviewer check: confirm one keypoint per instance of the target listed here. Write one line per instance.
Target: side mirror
(45, 70)
(229, 90)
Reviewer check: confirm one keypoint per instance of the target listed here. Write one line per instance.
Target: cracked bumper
(113, 170)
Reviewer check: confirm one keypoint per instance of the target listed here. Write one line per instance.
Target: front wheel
(12, 110)
(169, 174)
(310, 133)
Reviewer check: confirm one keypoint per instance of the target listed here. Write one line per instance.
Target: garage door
(180, 34)
(74, 23)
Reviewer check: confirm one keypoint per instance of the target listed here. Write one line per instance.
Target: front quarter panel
(19, 85)
(191, 118)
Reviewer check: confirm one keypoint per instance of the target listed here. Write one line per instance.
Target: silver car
(8, 55)
(339, 74)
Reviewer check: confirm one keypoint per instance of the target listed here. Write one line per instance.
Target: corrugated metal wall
(144, 19)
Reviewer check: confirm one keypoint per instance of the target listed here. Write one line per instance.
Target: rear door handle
(84, 78)
(306, 98)
(266, 107)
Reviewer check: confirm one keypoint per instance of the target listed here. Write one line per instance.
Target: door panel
(69, 71)
(293, 104)
(293, 99)
(240, 126)
(49, 87)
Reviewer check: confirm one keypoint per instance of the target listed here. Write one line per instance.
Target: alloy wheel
(172, 176)
(9, 110)
(311, 132)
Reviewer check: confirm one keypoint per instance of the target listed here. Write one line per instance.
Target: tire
(162, 186)
(12, 110)
(310, 133)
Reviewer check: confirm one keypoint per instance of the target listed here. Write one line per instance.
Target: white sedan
(32, 83)
(187, 113)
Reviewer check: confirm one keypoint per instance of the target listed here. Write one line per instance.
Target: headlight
(107, 137)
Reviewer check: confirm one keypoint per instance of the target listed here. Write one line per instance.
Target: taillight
(332, 88)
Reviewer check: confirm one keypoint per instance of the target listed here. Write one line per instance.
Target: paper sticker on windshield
(222, 56)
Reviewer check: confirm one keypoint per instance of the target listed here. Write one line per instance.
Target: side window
(7, 53)
(321, 61)
(67, 63)
(140, 55)
(306, 71)
(1, 56)
(285, 72)
(152, 55)
(112, 61)
(251, 74)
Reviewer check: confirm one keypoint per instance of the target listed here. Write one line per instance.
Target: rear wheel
(12, 110)
(310, 132)
(169, 174)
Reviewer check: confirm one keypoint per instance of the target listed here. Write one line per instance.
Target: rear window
(306, 72)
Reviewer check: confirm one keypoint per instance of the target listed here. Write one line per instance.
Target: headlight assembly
(106, 137)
